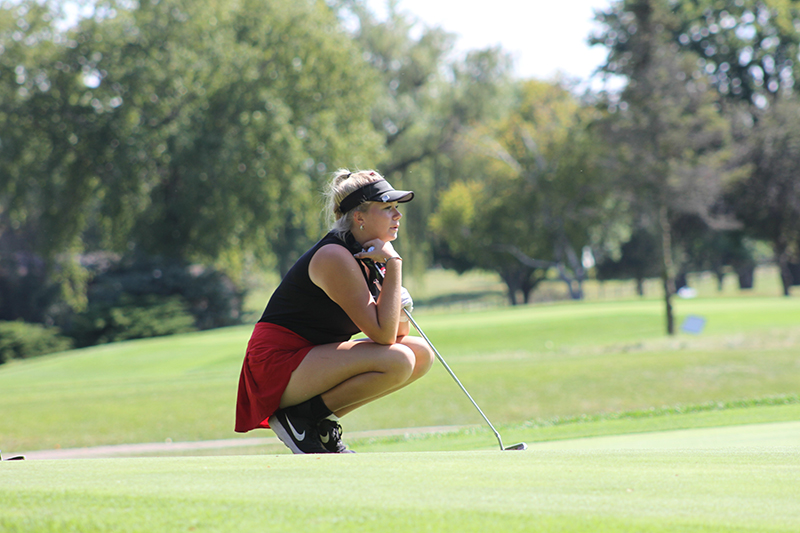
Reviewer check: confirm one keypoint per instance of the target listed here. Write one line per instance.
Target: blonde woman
(301, 372)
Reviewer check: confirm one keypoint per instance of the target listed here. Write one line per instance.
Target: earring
(362, 227)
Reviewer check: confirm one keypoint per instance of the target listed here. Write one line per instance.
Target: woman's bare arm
(338, 273)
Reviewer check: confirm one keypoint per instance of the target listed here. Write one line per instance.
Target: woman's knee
(401, 361)
(423, 354)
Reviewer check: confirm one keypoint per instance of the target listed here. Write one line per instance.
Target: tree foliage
(427, 99)
(236, 120)
(178, 133)
(637, 260)
(671, 140)
(767, 201)
(46, 177)
(193, 131)
(19, 340)
(747, 48)
(536, 193)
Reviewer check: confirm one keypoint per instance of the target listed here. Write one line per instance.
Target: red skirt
(273, 353)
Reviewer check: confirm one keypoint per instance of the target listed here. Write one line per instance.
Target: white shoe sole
(286, 438)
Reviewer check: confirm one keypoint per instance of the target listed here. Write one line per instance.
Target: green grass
(629, 431)
(446, 291)
(559, 430)
(599, 491)
(520, 364)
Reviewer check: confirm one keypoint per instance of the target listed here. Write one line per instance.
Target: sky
(545, 37)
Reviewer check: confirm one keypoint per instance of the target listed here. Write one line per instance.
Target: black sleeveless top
(302, 307)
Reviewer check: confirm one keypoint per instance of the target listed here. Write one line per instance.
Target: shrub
(27, 291)
(20, 340)
(131, 317)
(149, 297)
(211, 297)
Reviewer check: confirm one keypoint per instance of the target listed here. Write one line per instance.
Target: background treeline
(154, 152)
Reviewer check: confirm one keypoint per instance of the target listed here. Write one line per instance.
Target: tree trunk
(574, 285)
(786, 277)
(668, 306)
(786, 273)
(794, 270)
(526, 288)
(746, 275)
(720, 280)
(667, 268)
(513, 285)
(512, 296)
(640, 286)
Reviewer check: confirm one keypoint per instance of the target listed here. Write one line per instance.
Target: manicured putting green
(734, 490)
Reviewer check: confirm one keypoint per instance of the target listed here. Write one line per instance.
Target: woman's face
(382, 221)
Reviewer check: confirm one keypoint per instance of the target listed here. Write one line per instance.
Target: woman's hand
(336, 271)
(377, 251)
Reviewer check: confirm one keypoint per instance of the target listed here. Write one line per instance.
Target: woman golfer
(301, 372)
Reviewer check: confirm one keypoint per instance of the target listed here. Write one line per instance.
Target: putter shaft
(453, 375)
(521, 445)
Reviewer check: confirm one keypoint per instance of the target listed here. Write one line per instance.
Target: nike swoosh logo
(325, 438)
(298, 436)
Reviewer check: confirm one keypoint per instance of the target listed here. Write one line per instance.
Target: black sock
(314, 409)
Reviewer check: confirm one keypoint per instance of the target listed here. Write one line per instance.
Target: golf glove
(406, 302)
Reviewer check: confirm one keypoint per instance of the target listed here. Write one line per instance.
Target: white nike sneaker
(297, 433)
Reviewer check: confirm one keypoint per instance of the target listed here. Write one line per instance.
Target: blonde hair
(343, 183)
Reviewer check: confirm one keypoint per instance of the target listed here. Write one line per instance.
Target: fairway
(537, 363)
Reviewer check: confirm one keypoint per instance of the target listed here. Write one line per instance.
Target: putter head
(15, 458)
(521, 446)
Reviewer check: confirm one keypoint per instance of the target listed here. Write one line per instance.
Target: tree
(188, 130)
(638, 260)
(747, 48)
(536, 194)
(670, 136)
(427, 100)
(749, 51)
(48, 154)
(468, 219)
(768, 200)
(703, 248)
(239, 117)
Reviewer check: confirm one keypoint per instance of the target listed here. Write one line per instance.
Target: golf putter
(519, 446)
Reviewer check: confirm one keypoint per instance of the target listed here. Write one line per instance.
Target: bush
(27, 292)
(131, 317)
(211, 297)
(149, 297)
(20, 340)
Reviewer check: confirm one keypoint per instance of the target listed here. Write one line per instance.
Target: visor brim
(400, 197)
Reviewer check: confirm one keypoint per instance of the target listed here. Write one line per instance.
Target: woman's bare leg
(353, 373)
(424, 360)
